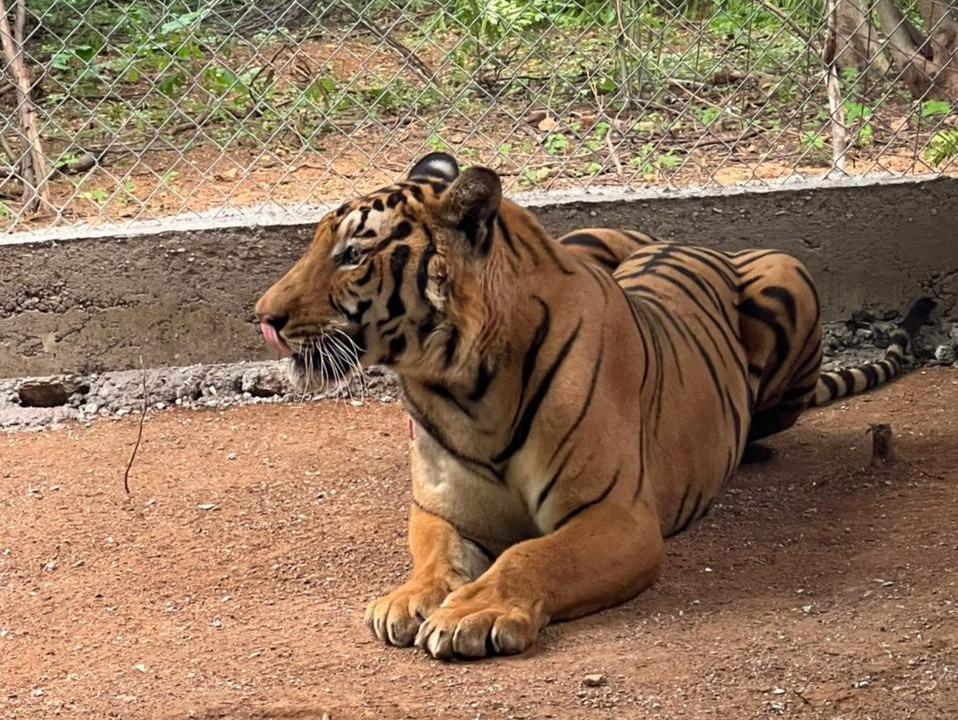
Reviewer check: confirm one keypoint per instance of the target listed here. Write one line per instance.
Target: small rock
(207, 506)
(945, 354)
(594, 680)
(547, 124)
(536, 116)
(264, 382)
(47, 392)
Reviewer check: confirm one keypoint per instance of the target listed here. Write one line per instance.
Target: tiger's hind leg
(442, 561)
(756, 453)
(774, 420)
(769, 422)
(779, 322)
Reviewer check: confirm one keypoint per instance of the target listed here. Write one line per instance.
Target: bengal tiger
(572, 403)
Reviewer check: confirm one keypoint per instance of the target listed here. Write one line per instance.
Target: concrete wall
(183, 296)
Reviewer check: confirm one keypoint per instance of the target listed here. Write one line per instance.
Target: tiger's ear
(436, 165)
(470, 203)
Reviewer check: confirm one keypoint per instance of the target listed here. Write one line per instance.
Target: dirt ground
(231, 584)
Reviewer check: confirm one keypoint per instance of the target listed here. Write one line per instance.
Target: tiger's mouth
(319, 362)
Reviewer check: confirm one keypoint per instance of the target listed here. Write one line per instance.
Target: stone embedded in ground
(264, 382)
(594, 680)
(945, 354)
(47, 392)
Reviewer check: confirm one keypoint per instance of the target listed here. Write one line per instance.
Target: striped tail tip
(836, 384)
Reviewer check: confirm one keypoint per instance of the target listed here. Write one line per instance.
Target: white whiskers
(329, 361)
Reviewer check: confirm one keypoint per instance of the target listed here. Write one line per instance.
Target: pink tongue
(274, 340)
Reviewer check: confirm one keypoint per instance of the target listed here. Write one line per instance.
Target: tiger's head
(399, 277)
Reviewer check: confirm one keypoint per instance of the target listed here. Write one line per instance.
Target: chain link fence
(122, 111)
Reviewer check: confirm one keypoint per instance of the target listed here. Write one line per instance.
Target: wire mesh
(143, 110)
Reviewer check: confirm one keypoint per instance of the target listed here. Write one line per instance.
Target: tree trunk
(33, 172)
(926, 60)
(857, 43)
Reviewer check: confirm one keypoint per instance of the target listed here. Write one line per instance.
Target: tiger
(572, 404)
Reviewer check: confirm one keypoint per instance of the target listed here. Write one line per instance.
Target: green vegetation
(644, 90)
(942, 148)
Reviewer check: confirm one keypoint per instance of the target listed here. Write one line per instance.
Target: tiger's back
(762, 300)
(736, 345)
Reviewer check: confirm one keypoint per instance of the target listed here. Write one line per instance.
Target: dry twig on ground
(139, 432)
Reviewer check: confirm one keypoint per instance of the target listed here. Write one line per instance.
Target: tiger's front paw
(395, 618)
(476, 621)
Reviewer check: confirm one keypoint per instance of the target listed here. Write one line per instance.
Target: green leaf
(182, 22)
(85, 52)
(855, 112)
(931, 108)
(942, 148)
(709, 115)
(61, 61)
(667, 162)
(606, 85)
(556, 143)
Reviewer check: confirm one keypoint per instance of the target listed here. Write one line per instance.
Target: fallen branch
(413, 60)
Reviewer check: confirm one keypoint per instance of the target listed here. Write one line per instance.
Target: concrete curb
(175, 294)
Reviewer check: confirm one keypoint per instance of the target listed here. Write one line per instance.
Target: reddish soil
(819, 587)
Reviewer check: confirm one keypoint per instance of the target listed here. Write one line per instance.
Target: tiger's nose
(278, 322)
(270, 325)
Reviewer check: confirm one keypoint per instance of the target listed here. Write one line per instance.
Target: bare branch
(21, 22)
(809, 40)
(833, 87)
(33, 165)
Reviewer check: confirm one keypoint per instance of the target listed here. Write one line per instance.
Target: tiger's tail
(835, 384)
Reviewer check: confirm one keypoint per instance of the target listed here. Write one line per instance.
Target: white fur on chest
(493, 513)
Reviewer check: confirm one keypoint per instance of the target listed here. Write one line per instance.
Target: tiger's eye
(350, 256)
